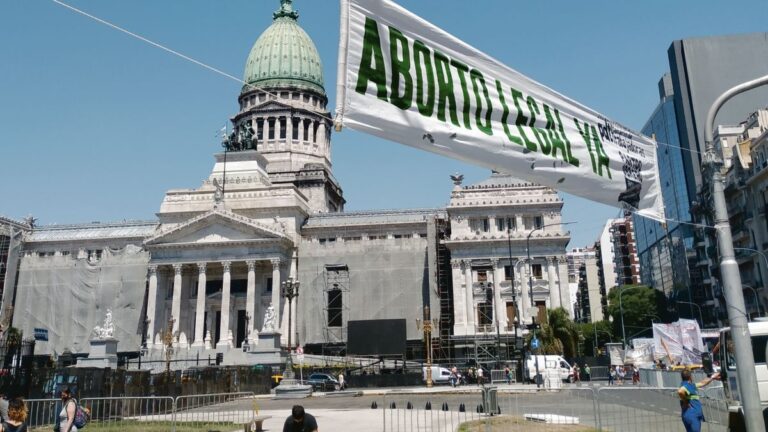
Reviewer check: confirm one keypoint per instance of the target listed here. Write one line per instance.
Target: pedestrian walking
(342, 382)
(508, 375)
(454, 376)
(635, 375)
(575, 372)
(300, 421)
(622, 373)
(690, 405)
(612, 376)
(587, 373)
(65, 422)
(17, 417)
(480, 379)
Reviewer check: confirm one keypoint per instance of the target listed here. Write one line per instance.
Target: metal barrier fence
(42, 412)
(499, 376)
(599, 373)
(602, 408)
(117, 413)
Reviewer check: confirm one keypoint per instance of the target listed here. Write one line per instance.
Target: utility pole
(729, 268)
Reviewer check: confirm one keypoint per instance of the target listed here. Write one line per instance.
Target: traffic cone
(374, 405)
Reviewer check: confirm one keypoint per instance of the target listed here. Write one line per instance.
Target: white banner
(405, 80)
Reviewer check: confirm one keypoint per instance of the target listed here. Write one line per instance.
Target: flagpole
(341, 79)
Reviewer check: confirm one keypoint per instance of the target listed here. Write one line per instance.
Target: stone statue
(219, 193)
(269, 320)
(107, 330)
(242, 138)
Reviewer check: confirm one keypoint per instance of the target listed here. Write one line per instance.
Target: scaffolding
(442, 346)
(336, 308)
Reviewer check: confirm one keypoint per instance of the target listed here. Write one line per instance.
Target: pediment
(217, 227)
(273, 105)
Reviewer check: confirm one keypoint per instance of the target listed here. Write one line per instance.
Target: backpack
(82, 416)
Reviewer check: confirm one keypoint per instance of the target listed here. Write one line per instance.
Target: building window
(538, 222)
(282, 128)
(260, 129)
(306, 130)
(542, 313)
(501, 224)
(512, 223)
(511, 315)
(536, 270)
(269, 285)
(295, 122)
(485, 309)
(479, 225)
(335, 317)
(509, 272)
(314, 132)
(482, 275)
(271, 134)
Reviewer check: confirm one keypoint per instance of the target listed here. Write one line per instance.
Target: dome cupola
(284, 55)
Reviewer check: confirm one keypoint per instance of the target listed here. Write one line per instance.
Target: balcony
(485, 328)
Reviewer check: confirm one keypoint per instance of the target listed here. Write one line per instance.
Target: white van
(548, 362)
(440, 375)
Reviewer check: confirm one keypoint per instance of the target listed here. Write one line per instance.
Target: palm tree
(559, 335)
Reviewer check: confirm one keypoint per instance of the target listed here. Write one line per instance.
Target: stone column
(554, 292)
(564, 286)
(459, 309)
(321, 134)
(250, 301)
(266, 129)
(470, 297)
(500, 310)
(200, 307)
(151, 305)
(176, 304)
(224, 339)
(276, 291)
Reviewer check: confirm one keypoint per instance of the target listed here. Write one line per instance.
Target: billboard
(376, 337)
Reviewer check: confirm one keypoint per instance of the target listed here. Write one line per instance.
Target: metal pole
(514, 301)
(528, 253)
(729, 269)
(621, 313)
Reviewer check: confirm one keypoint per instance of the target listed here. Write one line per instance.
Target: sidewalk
(442, 389)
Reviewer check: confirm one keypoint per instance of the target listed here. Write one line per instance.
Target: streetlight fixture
(757, 298)
(290, 290)
(621, 313)
(701, 317)
(427, 324)
(528, 253)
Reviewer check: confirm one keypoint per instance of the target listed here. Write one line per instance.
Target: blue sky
(95, 125)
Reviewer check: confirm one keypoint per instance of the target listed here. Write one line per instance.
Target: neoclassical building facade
(210, 267)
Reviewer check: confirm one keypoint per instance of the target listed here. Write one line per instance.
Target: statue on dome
(242, 138)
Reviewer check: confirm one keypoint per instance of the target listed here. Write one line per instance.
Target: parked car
(323, 382)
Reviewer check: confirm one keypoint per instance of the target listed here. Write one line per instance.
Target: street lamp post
(290, 290)
(528, 253)
(427, 324)
(621, 313)
(729, 268)
(519, 368)
(701, 317)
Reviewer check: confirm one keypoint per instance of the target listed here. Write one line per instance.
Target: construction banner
(403, 79)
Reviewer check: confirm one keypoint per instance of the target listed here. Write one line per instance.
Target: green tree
(642, 306)
(602, 331)
(559, 335)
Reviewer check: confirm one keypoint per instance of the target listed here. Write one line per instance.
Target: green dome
(284, 55)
